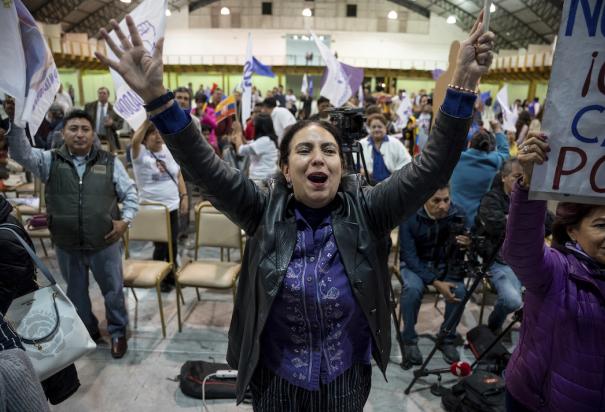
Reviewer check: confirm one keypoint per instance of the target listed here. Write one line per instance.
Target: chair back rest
(215, 229)
(42, 204)
(152, 222)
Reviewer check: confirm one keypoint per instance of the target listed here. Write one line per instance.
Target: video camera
(465, 260)
(351, 123)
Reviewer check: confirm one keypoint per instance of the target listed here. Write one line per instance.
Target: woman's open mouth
(317, 178)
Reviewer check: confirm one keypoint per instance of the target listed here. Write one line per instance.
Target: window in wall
(351, 10)
(267, 8)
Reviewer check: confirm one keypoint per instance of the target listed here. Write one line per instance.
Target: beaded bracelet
(462, 89)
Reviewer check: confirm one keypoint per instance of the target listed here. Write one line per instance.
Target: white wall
(397, 50)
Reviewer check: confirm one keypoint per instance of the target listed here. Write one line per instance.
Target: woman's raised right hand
(474, 57)
(534, 150)
(140, 69)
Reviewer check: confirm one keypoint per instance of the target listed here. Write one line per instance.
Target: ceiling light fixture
(168, 13)
(392, 15)
(126, 1)
(225, 11)
(451, 19)
(492, 8)
(307, 12)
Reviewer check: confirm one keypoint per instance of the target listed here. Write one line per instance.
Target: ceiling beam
(466, 20)
(506, 21)
(549, 12)
(55, 11)
(92, 23)
(198, 4)
(410, 5)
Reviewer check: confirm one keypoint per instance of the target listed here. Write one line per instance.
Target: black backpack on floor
(479, 339)
(480, 392)
(192, 378)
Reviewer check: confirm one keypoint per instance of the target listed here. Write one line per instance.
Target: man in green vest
(83, 187)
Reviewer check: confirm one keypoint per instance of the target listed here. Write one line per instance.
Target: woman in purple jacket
(559, 363)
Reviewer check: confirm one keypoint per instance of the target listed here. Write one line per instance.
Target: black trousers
(347, 393)
(160, 251)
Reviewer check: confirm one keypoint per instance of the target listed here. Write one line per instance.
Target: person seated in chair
(490, 223)
(424, 241)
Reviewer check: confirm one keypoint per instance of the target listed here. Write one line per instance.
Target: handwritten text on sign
(574, 116)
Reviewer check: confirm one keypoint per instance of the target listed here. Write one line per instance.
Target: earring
(289, 183)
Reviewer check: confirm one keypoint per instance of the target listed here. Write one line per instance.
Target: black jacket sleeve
(225, 187)
(395, 199)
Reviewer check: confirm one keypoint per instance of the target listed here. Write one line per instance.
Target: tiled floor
(146, 378)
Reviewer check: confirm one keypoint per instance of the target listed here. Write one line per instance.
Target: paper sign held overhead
(574, 112)
(150, 19)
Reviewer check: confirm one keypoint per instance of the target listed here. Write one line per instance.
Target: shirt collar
(384, 139)
(85, 157)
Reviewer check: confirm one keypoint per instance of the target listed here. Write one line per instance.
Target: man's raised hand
(141, 70)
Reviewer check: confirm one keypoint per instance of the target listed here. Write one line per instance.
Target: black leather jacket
(361, 222)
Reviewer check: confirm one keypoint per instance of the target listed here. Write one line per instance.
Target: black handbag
(191, 381)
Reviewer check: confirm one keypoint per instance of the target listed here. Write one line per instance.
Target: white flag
(509, 118)
(361, 96)
(304, 87)
(28, 72)
(336, 87)
(247, 82)
(150, 19)
(404, 111)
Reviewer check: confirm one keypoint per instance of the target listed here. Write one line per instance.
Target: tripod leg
(449, 322)
(495, 341)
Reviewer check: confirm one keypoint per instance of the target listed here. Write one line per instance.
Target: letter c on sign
(576, 120)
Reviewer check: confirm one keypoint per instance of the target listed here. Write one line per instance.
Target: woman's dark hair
(284, 147)
(524, 119)
(483, 140)
(372, 109)
(568, 215)
(377, 116)
(150, 129)
(263, 126)
(201, 98)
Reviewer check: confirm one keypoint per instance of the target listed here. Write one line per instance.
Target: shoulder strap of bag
(32, 254)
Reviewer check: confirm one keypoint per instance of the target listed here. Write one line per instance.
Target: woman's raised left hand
(534, 150)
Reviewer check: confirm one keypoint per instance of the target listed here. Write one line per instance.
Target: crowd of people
(312, 312)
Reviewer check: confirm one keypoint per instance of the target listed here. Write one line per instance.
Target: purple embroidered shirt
(315, 330)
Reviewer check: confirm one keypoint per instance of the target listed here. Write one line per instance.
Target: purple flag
(437, 73)
(354, 76)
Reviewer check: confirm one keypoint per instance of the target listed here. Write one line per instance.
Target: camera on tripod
(351, 123)
(464, 260)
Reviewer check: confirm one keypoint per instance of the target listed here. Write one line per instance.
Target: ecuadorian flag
(227, 107)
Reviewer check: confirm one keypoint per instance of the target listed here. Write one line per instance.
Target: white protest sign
(574, 114)
(150, 19)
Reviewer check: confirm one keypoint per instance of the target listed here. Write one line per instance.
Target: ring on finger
(525, 149)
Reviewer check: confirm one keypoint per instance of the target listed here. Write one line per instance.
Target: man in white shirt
(106, 121)
(64, 99)
(281, 117)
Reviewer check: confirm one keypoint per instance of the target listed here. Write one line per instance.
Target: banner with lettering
(150, 19)
(28, 71)
(574, 113)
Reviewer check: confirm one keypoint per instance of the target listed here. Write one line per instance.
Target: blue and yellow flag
(227, 107)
